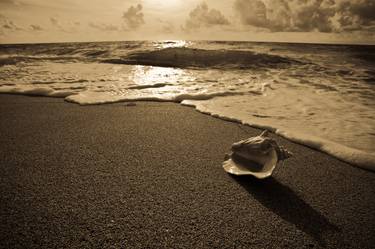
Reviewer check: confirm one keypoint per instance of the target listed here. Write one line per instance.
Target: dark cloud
(103, 26)
(355, 15)
(133, 17)
(307, 15)
(202, 16)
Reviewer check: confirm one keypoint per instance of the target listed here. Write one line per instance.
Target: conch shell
(257, 156)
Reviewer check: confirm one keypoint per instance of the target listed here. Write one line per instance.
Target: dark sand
(150, 175)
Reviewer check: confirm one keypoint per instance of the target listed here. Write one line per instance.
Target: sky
(317, 21)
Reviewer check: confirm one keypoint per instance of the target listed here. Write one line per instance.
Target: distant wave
(181, 57)
(13, 60)
(201, 58)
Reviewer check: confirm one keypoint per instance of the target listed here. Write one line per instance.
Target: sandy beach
(150, 176)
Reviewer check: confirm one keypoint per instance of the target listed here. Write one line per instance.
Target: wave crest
(201, 58)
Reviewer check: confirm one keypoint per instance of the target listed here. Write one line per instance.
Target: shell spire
(265, 133)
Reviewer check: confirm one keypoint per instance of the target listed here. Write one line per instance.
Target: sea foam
(362, 159)
(317, 95)
(208, 103)
(36, 91)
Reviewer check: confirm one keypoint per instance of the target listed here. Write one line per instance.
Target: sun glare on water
(145, 75)
(171, 44)
(160, 81)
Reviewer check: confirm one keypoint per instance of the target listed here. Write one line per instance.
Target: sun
(163, 3)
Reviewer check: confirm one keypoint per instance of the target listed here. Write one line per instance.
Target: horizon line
(203, 40)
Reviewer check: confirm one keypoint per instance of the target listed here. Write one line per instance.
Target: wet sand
(150, 175)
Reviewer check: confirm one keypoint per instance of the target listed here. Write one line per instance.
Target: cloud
(54, 21)
(8, 25)
(133, 17)
(10, 2)
(35, 27)
(103, 26)
(167, 27)
(64, 26)
(354, 15)
(202, 16)
(307, 15)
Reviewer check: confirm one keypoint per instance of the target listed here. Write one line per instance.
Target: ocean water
(322, 96)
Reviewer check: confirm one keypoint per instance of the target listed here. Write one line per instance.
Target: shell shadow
(284, 202)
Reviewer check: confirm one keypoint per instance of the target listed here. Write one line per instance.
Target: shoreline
(151, 175)
(353, 156)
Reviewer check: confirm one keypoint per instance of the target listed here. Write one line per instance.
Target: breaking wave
(177, 57)
(201, 58)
